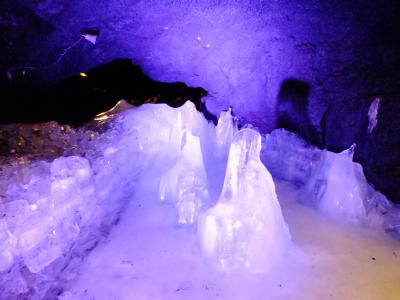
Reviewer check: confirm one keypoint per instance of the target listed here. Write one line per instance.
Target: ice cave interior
(199, 150)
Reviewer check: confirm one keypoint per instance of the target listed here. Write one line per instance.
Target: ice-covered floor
(147, 256)
(156, 203)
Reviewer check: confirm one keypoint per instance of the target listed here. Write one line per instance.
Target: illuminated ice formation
(67, 187)
(245, 228)
(48, 208)
(49, 205)
(288, 157)
(332, 182)
(339, 186)
(224, 131)
(186, 182)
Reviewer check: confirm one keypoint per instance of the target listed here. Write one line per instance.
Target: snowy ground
(147, 256)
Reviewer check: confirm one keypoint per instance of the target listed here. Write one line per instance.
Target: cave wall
(239, 51)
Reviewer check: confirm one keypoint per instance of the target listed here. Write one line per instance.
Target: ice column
(246, 227)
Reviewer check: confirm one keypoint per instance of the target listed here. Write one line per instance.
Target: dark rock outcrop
(78, 99)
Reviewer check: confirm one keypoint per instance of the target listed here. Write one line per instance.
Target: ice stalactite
(245, 228)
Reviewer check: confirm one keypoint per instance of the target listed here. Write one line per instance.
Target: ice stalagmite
(246, 227)
(224, 133)
(185, 184)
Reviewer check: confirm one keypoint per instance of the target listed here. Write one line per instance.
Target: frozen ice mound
(332, 182)
(246, 227)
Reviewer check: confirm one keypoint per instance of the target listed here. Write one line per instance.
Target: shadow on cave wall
(292, 110)
(78, 99)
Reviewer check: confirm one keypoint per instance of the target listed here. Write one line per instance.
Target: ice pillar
(246, 227)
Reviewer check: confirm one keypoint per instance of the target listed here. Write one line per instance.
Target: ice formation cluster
(63, 189)
(57, 206)
(331, 182)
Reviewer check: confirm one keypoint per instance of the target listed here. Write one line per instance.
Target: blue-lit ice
(245, 228)
(331, 182)
(338, 197)
(139, 172)
(53, 211)
(224, 131)
(185, 184)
